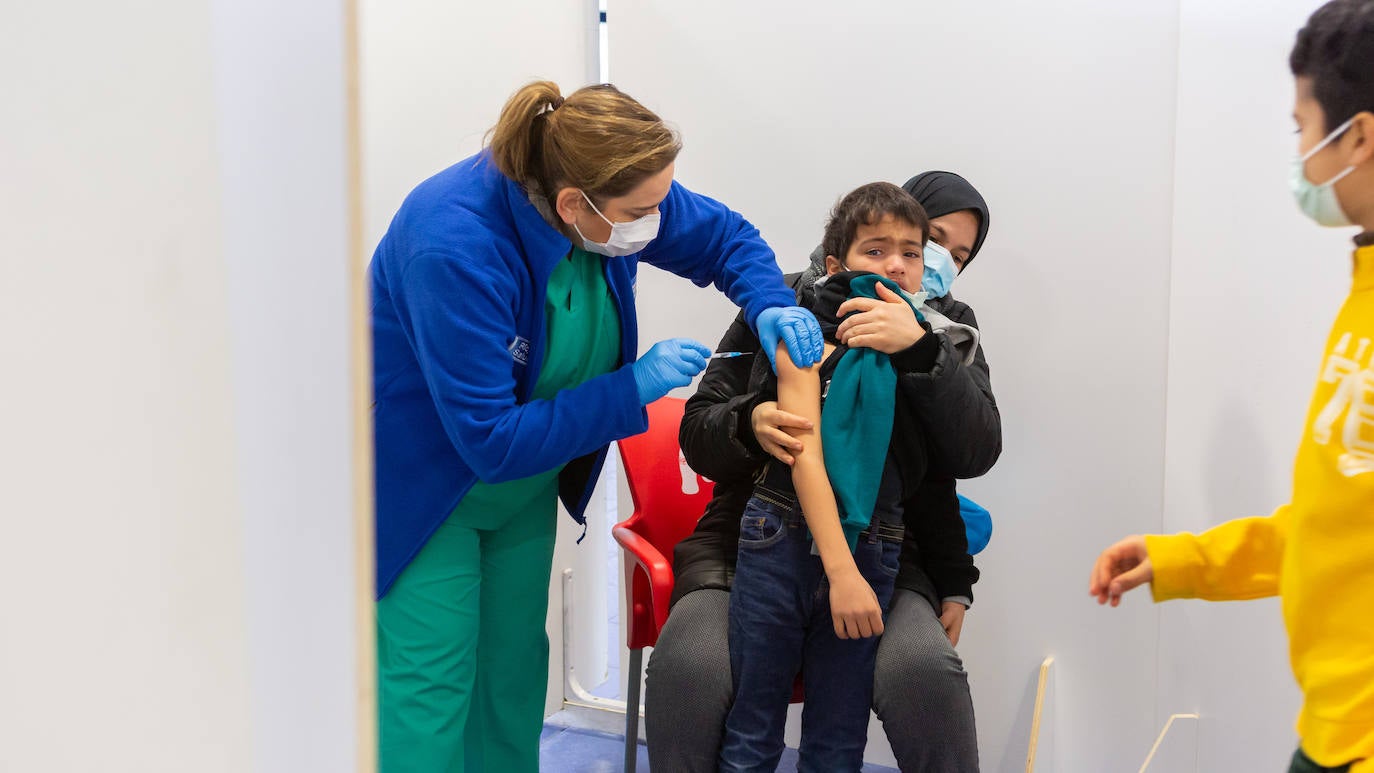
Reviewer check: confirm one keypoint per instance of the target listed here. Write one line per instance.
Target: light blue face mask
(940, 271)
(1319, 202)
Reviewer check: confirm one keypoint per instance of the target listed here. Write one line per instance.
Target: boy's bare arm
(853, 604)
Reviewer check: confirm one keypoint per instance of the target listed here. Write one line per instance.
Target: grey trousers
(920, 690)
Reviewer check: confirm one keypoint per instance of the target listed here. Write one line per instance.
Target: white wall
(283, 164)
(1255, 287)
(434, 77)
(1062, 113)
(177, 549)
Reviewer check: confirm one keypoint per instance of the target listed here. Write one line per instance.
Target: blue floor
(574, 750)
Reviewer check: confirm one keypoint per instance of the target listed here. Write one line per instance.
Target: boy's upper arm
(799, 392)
(715, 432)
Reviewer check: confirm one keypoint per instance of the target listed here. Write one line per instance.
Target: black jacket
(949, 406)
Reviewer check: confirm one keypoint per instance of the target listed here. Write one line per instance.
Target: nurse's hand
(794, 326)
(668, 365)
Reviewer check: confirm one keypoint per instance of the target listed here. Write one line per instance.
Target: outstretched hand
(1120, 568)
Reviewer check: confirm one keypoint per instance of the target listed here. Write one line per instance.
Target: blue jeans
(780, 625)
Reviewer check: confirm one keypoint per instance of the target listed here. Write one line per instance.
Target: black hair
(1336, 50)
(867, 205)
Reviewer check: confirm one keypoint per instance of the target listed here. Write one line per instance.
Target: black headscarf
(939, 193)
(942, 193)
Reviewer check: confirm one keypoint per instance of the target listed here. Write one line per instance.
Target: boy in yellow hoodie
(1317, 552)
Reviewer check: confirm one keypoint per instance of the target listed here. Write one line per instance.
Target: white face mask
(1319, 202)
(626, 238)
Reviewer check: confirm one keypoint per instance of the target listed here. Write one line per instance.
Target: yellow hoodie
(1317, 552)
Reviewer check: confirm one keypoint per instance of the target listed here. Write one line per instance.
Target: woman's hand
(769, 425)
(887, 323)
(952, 620)
(1121, 567)
(854, 606)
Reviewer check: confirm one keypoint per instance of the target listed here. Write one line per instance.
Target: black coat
(945, 407)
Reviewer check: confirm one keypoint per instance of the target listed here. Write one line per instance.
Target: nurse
(504, 338)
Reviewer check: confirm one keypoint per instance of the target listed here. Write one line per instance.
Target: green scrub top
(582, 341)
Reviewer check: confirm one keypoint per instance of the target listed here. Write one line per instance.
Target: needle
(726, 355)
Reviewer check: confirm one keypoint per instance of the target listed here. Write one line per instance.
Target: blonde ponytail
(598, 139)
(516, 138)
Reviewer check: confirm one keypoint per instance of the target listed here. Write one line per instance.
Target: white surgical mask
(1319, 202)
(625, 239)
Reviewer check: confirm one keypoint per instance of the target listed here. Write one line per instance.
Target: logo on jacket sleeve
(520, 350)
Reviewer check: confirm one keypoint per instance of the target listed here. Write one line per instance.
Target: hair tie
(553, 104)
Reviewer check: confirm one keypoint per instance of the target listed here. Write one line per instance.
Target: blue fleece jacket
(458, 285)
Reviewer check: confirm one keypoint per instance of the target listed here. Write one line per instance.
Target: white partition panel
(123, 645)
(178, 521)
(284, 164)
(1062, 113)
(1255, 287)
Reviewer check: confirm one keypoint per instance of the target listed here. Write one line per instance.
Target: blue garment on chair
(977, 524)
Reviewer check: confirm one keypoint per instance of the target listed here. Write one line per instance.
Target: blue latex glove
(797, 328)
(977, 524)
(668, 365)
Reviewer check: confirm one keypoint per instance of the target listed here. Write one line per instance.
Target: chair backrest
(669, 497)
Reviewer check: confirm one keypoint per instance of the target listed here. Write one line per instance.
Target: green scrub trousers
(462, 655)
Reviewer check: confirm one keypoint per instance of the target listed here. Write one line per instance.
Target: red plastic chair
(669, 499)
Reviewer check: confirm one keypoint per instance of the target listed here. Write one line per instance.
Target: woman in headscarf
(921, 691)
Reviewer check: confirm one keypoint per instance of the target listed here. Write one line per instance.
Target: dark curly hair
(867, 205)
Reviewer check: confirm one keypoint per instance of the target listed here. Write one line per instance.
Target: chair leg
(632, 710)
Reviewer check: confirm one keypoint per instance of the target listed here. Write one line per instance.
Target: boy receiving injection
(819, 541)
